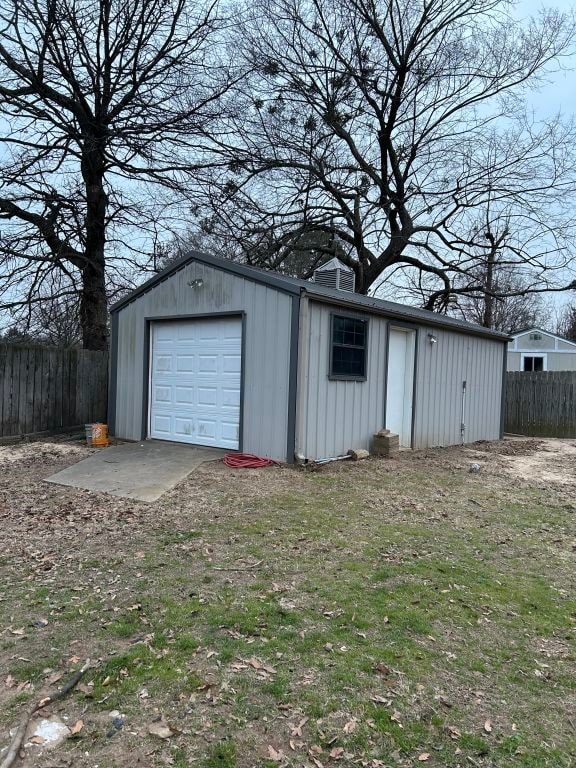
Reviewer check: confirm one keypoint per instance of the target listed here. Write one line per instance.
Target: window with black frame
(348, 350)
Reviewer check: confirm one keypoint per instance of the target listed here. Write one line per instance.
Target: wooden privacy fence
(541, 404)
(48, 389)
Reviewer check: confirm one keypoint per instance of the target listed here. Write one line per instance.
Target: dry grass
(368, 614)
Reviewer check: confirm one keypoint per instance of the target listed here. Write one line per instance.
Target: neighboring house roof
(297, 287)
(546, 333)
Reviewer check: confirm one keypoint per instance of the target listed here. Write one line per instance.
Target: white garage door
(195, 381)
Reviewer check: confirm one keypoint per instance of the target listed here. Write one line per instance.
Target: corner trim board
(113, 377)
(503, 393)
(417, 332)
(293, 380)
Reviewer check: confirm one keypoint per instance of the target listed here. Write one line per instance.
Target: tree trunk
(488, 319)
(93, 301)
(94, 307)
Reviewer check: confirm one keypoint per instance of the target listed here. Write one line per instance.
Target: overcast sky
(560, 94)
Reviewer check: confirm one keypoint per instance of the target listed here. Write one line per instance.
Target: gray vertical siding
(334, 416)
(267, 350)
(441, 369)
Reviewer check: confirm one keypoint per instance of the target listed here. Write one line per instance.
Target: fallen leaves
(160, 729)
(77, 727)
(296, 730)
(260, 666)
(351, 725)
(53, 678)
(275, 754)
(424, 757)
(488, 726)
(453, 732)
(377, 699)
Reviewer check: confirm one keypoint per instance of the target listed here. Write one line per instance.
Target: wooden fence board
(46, 388)
(542, 404)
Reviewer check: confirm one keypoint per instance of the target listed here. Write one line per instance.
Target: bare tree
(99, 100)
(52, 321)
(567, 323)
(388, 125)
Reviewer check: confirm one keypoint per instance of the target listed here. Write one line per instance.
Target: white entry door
(195, 375)
(400, 384)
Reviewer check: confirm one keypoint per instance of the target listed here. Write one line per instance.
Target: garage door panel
(195, 381)
(162, 424)
(184, 395)
(230, 397)
(231, 363)
(230, 431)
(165, 332)
(208, 364)
(162, 394)
(185, 363)
(207, 396)
(163, 363)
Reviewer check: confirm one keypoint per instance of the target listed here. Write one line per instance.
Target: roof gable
(297, 287)
(549, 334)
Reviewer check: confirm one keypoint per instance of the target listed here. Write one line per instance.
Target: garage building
(215, 353)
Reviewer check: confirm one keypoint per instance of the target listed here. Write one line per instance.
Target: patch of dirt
(552, 461)
(553, 647)
(510, 446)
(545, 462)
(45, 449)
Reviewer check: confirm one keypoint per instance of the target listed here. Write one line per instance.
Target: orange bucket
(100, 435)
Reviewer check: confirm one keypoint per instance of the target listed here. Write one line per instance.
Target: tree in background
(102, 101)
(387, 126)
(567, 323)
(495, 288)
(53, 323)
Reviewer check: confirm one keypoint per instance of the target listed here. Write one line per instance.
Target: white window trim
(543, 355)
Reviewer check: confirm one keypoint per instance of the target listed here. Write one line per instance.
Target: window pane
(338, 330)
(528, 363)
(538, 363)
(348, 361)
(346, 330)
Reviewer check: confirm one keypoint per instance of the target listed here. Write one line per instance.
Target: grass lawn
(382, 613)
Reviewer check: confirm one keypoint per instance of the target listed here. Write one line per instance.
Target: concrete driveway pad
(142, 471)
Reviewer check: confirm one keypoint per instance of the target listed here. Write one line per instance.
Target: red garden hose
(247, 461)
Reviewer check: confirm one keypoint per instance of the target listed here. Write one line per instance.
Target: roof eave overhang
(433, 322)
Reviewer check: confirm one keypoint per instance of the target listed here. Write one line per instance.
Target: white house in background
(534, 349)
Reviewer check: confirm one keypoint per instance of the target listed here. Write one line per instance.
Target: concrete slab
(142, 471)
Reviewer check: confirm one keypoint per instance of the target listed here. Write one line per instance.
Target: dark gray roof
(295, 286)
